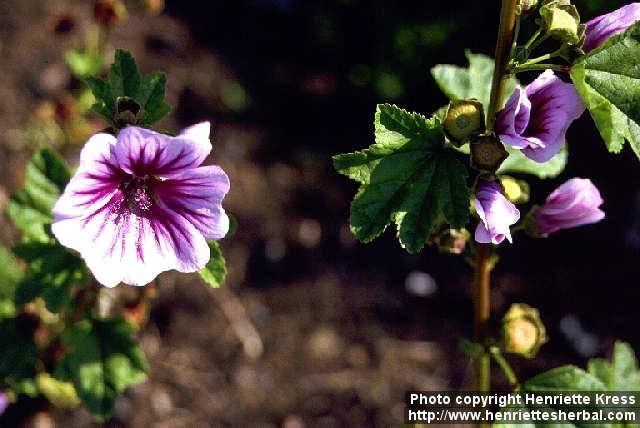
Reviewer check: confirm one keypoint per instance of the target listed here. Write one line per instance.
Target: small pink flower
(572, 204)
(141, 204)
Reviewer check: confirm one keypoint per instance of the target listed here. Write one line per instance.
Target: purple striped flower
(599, 29)
(141, 204)
(572, 204)
(495, 211)
(536, 119)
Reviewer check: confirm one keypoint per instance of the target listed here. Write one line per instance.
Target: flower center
(138, 194)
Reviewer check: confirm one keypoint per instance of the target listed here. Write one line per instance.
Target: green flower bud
(562, 22)
(516, 191)
(128, 112)
(487, 153)
(464, 119)
(522, 330)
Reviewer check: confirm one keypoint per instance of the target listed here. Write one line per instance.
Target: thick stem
(503, 48)
(482, 266)
(482, 312)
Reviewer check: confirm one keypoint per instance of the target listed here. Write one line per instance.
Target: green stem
(537, 42)
(516, 33)
(505, 366)
(536, 67)
(539, 59)
(532, 40)
(482, 303)
(503, 49)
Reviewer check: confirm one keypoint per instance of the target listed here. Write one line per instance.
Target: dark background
(287, 84)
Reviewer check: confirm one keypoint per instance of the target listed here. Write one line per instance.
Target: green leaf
(18, 356)
(608, 81)
(519, 163)
(83, 64)
(565, 378)
(30, 208)
(622, 373)
(51, 273)
(124, 80)
(407, 177)
(104, 361)
(215, 271)
(151, 97)
(124, 77)
(9, 277)
(459, 83)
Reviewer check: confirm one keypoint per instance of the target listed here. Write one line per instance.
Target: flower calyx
(464, 119)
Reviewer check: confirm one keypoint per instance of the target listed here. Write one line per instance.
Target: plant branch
(481, 314)
(482, 305)
(504, 365)
(536, 67)
(503, 49)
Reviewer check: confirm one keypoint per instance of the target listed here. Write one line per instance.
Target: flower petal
(119, 245)
(196, 195)
(95, 182)
(143, 152)
(513, 119)
(598, 30)
(554, 105)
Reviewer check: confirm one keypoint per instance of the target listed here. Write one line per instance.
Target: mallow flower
(140, 204)
(536, 119)
(599, 29)
(572, 204)
(495, 211)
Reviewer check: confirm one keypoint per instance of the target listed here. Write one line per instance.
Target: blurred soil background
(337, 331)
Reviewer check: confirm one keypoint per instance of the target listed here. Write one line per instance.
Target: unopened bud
(517, 191)
(562, 22)
(109, 12)
(487, 153)
(128, 112)
(522, 330)
(464, 119)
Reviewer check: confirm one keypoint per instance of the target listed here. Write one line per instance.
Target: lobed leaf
(52, 271)
(104, 361)
(474, 81)
(608, 80)
(621, 374)
(30, 208)
(407, 177)
(124, 80)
